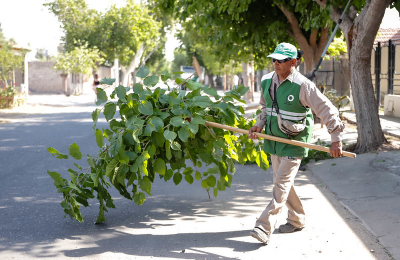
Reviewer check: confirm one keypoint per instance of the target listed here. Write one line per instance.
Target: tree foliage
(80, 60)
(10, 59)
(158, 134)
(247, 30)
(118, 32)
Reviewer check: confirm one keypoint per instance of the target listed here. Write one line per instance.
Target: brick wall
(43, 78)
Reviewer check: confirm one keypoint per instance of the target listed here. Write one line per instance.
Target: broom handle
(279, 139)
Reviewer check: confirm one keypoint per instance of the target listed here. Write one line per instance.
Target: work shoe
(289, 228)
(260, 235)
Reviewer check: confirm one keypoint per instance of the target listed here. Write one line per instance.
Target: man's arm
(311, 97)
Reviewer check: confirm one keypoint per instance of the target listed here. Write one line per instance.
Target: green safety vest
(290, 108)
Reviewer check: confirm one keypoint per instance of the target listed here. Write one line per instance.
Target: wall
(43, 78)
(332, 75)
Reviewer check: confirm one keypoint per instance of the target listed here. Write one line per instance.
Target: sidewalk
(367, 186)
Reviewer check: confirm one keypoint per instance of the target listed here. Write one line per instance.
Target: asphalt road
(177, 222)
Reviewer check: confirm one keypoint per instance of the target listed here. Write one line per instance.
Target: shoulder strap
(274, 101)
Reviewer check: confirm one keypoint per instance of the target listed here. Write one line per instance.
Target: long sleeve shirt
(309, 97)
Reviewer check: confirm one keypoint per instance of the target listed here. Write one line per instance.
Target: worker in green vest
(287, 99)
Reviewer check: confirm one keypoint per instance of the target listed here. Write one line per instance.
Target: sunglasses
(281, 61)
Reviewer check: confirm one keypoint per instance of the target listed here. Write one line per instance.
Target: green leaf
(146, 108)
(194, 128)
(179, 80)
(157, 122)
(215, 192)
(242, 90)
(95, 178)
(139, 198)
(211, 181)
(175, 146)
(123, 158)
(145, 185)
(177, 121)
(193, 85)
(177, 178)
(121, 93)
(142, 72)
(198, 120)
(168, 175)
(99, 138)
(197, 176)
(264, 160)
(212, 92)
(77, 166)
(107, 81)
(91, 161)
(58, 180)
(109, 110)
(160, 166)
(168, 150)
(111, 166)
(151, 149)
(202, 101)
(183, 134)
(82, 201)
(101, 96)
(95, 117)
(189, 178)
(151, 81)
(178, 72)
(188, 170)
(53, 152)
(137, 88)
(74, 151)
(204, 184)
(165, 76)
(169, 135)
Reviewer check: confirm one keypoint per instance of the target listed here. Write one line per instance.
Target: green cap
(284, 50)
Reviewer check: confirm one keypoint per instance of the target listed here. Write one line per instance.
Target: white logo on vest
(290, 98)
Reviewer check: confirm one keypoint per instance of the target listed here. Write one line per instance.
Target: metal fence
(385, 60)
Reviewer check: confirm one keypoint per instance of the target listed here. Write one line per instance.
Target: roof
(18, 48)
(384, 35)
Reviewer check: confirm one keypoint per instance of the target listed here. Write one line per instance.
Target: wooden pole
(279, 139)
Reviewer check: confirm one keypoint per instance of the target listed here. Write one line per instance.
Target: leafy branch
(154, 134)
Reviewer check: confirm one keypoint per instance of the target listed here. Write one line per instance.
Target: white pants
(285, 170)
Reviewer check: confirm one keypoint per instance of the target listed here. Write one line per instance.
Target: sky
(31, 24)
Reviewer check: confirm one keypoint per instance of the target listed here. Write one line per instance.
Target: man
(289, 96)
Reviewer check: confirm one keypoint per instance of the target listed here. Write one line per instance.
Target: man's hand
(336, 149)
(252, 131)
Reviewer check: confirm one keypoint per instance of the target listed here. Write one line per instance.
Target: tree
(246, 30)
(81, 60)
(9, 59)
(125, 33)
(360, 26)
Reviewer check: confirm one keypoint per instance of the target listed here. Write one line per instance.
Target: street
(177, 222)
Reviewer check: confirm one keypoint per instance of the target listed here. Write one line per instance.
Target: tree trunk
(360, 35)
(224, 81)
(370, 135)
(211, 80)
(312, 49)
(133, 65)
